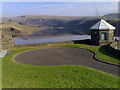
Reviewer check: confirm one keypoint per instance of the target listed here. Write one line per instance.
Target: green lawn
(75, 45)
(103, 53)
(16, 75)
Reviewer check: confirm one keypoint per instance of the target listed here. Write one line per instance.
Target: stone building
(102, 33)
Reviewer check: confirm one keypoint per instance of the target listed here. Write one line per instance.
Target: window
(104, 36)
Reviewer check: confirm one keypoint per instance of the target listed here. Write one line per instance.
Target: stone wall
(113, 49)
(118, 45)
(7, 41)
(96, 38)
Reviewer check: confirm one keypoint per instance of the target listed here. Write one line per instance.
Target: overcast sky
(10, 9)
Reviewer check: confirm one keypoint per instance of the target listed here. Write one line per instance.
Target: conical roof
(102, 25)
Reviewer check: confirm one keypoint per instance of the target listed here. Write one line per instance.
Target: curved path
(64, 56)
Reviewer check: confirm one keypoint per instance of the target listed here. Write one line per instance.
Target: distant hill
(112, 15)
(58, 25)
(14, 29)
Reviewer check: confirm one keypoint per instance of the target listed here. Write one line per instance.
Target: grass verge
(16, 75)
(74, 45)
(103, 54)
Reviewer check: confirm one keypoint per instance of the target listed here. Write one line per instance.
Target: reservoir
(19, 41)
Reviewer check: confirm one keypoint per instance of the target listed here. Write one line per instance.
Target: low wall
(113, 49)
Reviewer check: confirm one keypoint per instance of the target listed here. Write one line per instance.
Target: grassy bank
(103, 54)
(75, 45)
(16, 75)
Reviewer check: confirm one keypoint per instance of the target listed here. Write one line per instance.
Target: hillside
(42, 26)
(112, 15)
(14, 29)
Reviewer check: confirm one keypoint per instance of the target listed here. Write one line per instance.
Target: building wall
(118, 45)
(104, 42)
(111, 35)
(96, 37)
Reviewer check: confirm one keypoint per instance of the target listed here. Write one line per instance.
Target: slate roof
(102, 25)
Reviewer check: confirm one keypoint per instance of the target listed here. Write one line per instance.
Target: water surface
(19, 41)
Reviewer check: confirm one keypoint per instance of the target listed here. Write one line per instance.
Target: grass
(16, 75)
(75, 45)
(103, 54)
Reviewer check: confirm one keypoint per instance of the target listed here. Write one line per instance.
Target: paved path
(64, 56)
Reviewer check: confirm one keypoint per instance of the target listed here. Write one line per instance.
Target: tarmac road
(64, 56)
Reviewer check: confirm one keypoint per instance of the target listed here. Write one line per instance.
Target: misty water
(19, 41)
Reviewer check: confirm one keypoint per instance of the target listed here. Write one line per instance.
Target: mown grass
(74, 45)
(16, 75)
(103, 54)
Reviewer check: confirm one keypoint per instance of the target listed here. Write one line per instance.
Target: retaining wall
(113, 49)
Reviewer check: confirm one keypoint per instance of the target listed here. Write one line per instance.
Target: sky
(11, 9)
